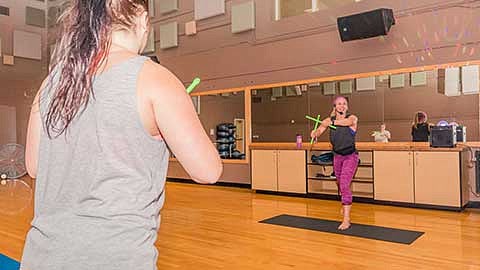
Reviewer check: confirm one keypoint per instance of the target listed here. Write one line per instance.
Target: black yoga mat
(358, 230)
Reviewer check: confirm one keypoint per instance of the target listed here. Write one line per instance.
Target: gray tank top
(99, 188)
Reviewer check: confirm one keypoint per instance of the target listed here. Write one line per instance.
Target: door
(292, 175)
(437, 178)
(393, 176)
(264, 170)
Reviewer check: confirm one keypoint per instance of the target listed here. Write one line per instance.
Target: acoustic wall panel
(290, 91)
(5, 11)
(346, 87)
(449, 81)
(470, 79)
(329, 88)
(169, 35)
(35, 17)
(52, 16)
(418, 78)
(243, 17)
(365, 84)
(277, 92)
(208, 8)
(27, 45)
(150, 47)
(167, 6)
(397, 80)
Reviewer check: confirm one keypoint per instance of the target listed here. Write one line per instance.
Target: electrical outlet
(212, 132)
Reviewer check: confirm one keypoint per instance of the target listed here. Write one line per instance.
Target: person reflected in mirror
(420, 127)
(383, 135)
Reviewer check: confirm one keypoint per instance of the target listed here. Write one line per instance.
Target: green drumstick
(318, 121)
(192, 86)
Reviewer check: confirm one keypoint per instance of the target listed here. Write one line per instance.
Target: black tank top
(420, 133)
(343, 139)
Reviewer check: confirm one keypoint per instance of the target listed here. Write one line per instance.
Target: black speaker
(365, 25)
(443, 136)
(461, 134)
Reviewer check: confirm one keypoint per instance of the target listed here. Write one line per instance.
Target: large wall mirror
(278, 114)
(223, 117)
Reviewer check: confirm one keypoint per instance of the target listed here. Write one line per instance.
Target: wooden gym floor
(210, 227)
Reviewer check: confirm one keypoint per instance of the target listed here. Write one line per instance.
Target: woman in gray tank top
(97, 143)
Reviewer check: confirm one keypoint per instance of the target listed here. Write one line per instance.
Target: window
(289, 8)
(4, 11)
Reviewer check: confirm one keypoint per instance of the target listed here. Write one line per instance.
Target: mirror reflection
(386, 106)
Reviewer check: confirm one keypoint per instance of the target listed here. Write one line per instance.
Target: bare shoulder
(353, 117)
(155, 79)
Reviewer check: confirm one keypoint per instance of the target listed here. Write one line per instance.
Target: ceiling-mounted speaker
(365, 25)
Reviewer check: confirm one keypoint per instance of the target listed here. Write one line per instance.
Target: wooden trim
(338, 77)
(368, 74)
(220, 91)
(470, 144)
(361, 146)
(248, 122)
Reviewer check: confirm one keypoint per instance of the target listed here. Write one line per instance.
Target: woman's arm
(179, 125)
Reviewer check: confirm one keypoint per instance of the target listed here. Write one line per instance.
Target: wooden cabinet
(393, 174)
(437, 178)
(291, 171)
(279, 170)
(420, 177)
(410, 174)
(264, 170)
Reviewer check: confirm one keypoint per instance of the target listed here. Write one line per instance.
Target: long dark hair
(419, 118)
(85, 39)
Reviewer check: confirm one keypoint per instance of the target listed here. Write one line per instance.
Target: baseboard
(473, 205)
(420, 206)
(288, 194)
(222, 184)
(337, 197)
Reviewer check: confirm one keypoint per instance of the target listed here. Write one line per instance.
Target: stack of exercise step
(226, 142)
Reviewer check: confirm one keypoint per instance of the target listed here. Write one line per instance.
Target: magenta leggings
(345, 168)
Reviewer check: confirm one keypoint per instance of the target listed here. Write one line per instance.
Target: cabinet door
(437, 178)
(393, 176)
(264, 170)
(292, 171)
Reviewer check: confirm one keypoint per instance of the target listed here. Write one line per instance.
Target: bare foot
(345, 225)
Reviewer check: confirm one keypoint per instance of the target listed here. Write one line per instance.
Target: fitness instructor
(345, 160)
